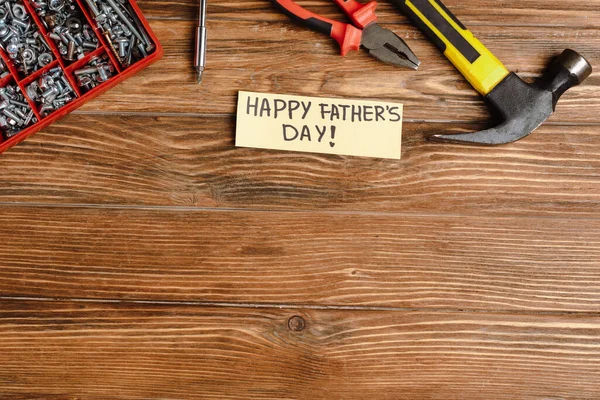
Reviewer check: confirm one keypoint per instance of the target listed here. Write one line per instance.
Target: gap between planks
(140, 207)
(291, 306)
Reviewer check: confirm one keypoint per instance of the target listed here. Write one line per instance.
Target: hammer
(522, 106)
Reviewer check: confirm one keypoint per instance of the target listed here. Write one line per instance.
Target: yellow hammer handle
(478, 65)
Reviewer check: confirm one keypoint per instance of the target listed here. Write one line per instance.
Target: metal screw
(64, 19)
(51, 91)
(124, 33)
(16, 112)
(97, 71)
(20, 39)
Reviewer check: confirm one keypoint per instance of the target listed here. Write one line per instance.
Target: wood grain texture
(559, 13)
(124, 351)
(191, 162)
(143, 256)
(281, 57)
(302, 258)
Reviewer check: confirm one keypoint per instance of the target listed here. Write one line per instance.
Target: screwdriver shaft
(200, 54)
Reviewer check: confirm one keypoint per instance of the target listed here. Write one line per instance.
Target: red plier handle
(348, 36)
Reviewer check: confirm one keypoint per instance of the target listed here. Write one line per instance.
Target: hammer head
(523, 107)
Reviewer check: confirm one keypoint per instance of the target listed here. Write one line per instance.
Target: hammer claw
(491, 137)
(524, 107)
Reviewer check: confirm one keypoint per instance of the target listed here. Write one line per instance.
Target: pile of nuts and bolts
(97, 71)
(67, 27)
(125, 34)
(21, 40)
(51, 91)
(4, 72)
(15, 112)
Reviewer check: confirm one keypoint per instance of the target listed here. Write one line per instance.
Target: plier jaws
(388, 47)
(364, 31)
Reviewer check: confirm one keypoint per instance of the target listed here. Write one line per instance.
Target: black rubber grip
(438, 20)
(456, 20)
(318, 25)
(311, 22)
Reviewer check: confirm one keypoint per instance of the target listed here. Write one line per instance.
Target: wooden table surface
(143, 256)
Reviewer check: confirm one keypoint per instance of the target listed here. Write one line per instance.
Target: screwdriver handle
(477, 64)
(347, 36)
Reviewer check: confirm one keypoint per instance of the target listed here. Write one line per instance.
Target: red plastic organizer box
(106, 50)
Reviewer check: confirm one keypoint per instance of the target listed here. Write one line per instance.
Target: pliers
(381, 43)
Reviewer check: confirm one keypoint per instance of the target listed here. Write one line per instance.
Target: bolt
(21, 23)
(53, 90)
(29, 118)
(19, 37)
(68, 28)
(97, 71)
(18, 103)
(9, 33)
(13, 116)
(86, 71)
(130, 46)
(142, 49)
(89, 45)
(104, 73)
(117, 10)
(20, 113)
(46, 109)
(71, 51)
(122, 43)
(68, 35)
(93, 8)
(59, 29)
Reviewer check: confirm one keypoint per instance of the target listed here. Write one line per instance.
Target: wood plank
(123, 351)
(558, 13)
(279, 56)
(324, 259)
(191, 162)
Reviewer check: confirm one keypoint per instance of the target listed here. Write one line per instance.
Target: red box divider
(103, 48)
(6, 80)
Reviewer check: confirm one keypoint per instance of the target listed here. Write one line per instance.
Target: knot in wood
(296, 324)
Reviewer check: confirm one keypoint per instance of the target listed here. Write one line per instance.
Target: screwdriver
(200, 55)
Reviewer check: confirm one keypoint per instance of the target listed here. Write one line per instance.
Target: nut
(16, 114)
(97, 71)
(20, 39)
(51, 91)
